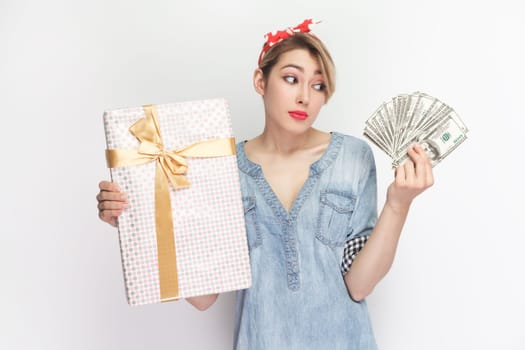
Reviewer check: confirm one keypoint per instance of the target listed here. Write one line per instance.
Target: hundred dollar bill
(417, 117)
(375, 130)
(438, 142)
(402, 101)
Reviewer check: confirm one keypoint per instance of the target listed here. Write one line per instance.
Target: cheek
(319, 102)
(280, 96)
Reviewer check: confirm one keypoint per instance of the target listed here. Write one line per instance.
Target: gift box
(184, 232)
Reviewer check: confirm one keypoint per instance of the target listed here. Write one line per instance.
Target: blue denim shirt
(298, 298)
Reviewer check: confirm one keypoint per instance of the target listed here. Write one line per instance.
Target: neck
(283, 142)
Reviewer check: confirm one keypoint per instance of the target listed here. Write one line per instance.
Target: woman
(317, 248)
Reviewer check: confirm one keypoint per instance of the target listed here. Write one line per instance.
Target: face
(294, 92)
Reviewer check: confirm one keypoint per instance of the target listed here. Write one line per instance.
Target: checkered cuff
(352, 248)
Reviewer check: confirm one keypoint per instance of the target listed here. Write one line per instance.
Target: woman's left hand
(411, 178)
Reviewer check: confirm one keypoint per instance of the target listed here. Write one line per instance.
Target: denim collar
(252, 169)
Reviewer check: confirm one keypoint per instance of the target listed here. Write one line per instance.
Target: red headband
(280, 35)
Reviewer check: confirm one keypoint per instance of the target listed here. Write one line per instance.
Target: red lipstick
(299, 115)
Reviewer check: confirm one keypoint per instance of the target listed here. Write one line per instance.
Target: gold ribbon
(171, 168)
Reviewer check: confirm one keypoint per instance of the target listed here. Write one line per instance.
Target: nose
(303, 94)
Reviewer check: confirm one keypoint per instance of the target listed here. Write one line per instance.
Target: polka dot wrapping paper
(208, 218)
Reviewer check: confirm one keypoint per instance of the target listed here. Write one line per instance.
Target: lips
(299, 115)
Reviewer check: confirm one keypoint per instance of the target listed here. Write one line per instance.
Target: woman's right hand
(111, 202)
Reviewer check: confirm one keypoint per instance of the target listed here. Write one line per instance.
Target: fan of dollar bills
(415, 118)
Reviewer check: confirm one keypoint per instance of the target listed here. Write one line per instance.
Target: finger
(424, 155)
(112, 205)
(110, 216)
(413, 153)
(409, 171)
(109, 186)
(400, 175)
(112, 196)
(421, 153)
(429, 174)
(419, 156)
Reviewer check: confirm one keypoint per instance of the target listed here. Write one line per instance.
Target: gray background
(457, 282)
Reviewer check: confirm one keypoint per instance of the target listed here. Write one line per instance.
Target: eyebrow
(299, 68)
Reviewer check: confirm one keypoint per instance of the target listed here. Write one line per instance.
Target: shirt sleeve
(352, 248)
(364, 216)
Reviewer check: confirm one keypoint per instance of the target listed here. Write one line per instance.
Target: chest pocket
(335, 212)
(252, 227)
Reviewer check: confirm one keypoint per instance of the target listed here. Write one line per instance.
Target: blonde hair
(316, 49)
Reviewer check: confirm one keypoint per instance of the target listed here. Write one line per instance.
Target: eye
(319, 86)
(290, 79)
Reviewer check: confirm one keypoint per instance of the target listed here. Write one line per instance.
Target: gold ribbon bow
(171, 168)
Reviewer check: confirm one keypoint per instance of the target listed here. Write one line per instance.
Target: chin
(298, 129)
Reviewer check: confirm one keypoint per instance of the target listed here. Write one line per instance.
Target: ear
(258, 81)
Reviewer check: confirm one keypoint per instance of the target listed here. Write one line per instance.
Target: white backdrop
(457, 281)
